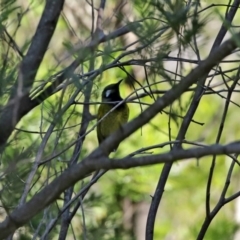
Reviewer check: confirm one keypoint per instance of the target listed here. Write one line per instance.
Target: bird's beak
(119, 82)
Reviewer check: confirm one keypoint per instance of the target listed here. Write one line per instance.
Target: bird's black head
(111, 93)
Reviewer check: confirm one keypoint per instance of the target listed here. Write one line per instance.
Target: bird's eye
(108, 93)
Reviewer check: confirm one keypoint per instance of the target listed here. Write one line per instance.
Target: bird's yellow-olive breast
(115, 119)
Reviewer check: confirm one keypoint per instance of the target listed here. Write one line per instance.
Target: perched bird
(115, 119)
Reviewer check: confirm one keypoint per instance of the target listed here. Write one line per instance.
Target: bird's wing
(101, 112)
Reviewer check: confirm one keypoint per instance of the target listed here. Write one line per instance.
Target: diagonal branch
(19, 99)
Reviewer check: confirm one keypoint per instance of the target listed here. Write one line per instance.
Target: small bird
(114, 120)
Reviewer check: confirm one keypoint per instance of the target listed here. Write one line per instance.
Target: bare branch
(93, 163)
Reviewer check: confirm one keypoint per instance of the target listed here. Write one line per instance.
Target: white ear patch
(108, 92)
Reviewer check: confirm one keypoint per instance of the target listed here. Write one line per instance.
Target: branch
(67, 217)
(19, 100)
(184, 127)
(23, 214)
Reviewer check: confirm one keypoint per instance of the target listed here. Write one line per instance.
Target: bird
(115, 119)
